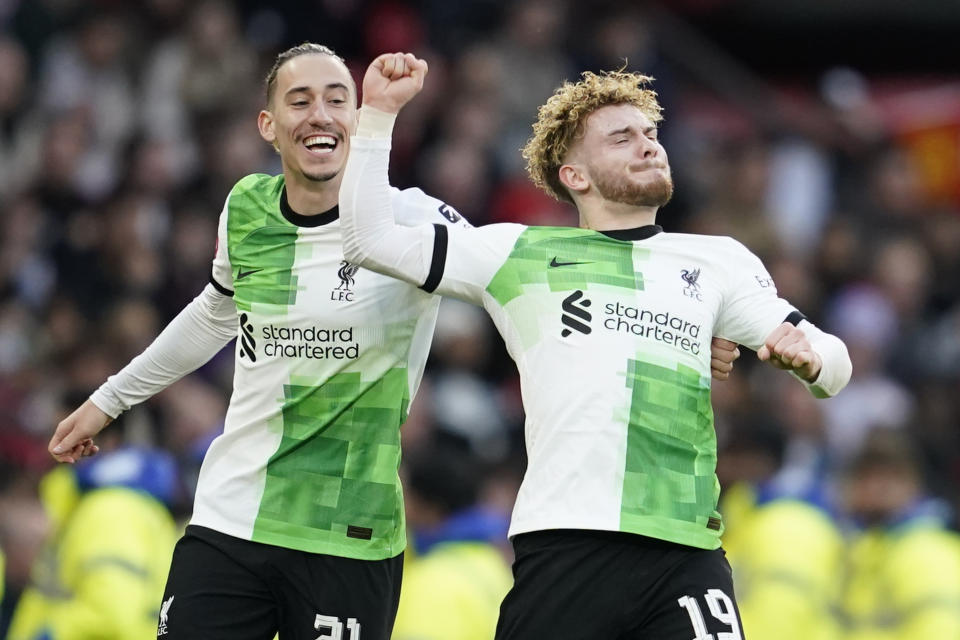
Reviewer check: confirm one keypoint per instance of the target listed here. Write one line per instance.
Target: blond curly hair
(561, 120)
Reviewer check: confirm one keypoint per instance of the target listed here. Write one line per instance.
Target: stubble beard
(655, 193)
(321, 177)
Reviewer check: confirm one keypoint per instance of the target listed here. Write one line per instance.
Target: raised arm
(373, 239)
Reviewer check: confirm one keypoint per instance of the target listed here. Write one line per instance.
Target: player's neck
(604, 215)
(312, 197)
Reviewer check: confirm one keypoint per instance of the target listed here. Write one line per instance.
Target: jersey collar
(637, 233)
(300, 220)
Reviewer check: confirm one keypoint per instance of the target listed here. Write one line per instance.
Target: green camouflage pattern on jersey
(669, 487)
(332, 484)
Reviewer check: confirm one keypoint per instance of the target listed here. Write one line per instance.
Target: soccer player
(615, 526)
(298, 518)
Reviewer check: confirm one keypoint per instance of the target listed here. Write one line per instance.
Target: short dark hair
(307, 48)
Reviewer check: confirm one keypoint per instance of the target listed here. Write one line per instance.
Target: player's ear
(265, 126)
(574, 178)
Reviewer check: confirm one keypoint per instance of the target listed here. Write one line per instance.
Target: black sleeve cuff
(219, 287)
(438, 260)
(794, 318)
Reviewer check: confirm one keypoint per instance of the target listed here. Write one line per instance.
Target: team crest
(164, 612)
(346, 273)
(692, 288)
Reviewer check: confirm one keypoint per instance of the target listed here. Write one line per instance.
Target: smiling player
(298, 522)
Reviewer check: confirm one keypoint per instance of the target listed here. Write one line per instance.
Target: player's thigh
(332, 598)
(211, 596)
(697, 603)
(564, 588)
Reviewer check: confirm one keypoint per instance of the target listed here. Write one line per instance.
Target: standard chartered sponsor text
(660, 326)
(313, 343)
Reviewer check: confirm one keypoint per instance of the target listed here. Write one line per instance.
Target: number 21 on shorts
(332, 628)
(721, 608)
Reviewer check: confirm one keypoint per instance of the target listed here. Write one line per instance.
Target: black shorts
(583, 585)
(225, 588)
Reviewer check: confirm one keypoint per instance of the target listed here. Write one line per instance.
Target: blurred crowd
(123, 125)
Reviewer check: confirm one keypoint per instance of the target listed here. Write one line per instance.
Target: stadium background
(824, 135)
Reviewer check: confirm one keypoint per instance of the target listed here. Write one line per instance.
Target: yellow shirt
(102, 576)
(787, 567)
(904, 584)
(453, 593)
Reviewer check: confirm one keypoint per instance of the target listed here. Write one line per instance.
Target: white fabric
(390, 324)
(198, 332)
(837, 367)
(375, 241)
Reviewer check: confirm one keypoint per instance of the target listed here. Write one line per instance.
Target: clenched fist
(722, 354)
(392, 80)
(787, 348)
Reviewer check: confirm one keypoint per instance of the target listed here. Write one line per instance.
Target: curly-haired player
(561, 119)
(615, 527)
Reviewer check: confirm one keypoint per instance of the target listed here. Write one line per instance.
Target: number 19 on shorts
(721, 608)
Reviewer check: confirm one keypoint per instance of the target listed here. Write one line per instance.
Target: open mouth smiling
(321, 144)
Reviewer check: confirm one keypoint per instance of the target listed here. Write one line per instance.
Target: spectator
(904, 565)
(453, 586)
(108, 551)
(86, 70)
(784, 547)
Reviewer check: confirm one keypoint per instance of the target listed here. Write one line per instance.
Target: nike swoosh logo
(554, 263)
(241, 274)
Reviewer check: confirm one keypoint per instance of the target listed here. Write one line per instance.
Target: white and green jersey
(611, 335)
(328, 358)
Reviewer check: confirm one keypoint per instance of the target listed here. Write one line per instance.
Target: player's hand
(788, 348)
(73, 438)
(722, 354)
(392, 80)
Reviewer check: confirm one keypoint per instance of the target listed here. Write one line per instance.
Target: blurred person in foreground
(106, 557)
(903, 563)
(615, 528)
(785, 548)
(458, 574)
(298, 522)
